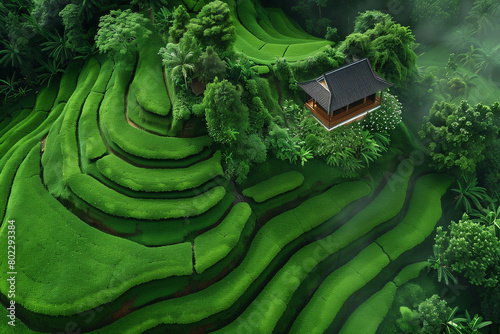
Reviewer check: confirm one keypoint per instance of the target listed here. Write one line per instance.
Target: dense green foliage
(214, 26)
(211, 66)
(388, 45)
(131, 159)
(179, 27)
(118, 33)
(457, 135)
(472, 250)
(226, 116)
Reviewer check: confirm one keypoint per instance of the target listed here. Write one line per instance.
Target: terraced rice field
(122, 228)
(266, 34)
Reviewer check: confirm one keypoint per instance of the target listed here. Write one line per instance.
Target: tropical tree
(469, 193)
(369, 19)
(456, 136)
(465, 78)
(58, 47)
(119, 31)
(484, 16)
(457, 87)
(49, 70)
(471, 250)
(240, 69)
(214, 26)
(437, 263)
(179, 26)
(466, 325)
(181, 58)
(46, 13)
(473, 325)
(73, 27)
(489, 216)
(163, 20)
(453, 324)
(469, 58)
(224, 111)
(12, 55)
(488, 57)
(462, 38)
(210, 66)
(431, 11)
(390, 48)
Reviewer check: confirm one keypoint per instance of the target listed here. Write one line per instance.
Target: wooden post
(347, 109)
(364, 100)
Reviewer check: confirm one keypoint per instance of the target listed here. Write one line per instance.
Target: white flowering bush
(385, 118)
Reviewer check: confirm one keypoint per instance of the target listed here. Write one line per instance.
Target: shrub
(457, 135)
(261, 69)
(385, 118)
(226, 116)
(210, 66)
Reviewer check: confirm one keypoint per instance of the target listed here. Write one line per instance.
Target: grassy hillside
(124, 227)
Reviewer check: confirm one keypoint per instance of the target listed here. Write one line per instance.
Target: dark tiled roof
(346, 85)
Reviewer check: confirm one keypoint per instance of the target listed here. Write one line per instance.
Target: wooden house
(344, 95)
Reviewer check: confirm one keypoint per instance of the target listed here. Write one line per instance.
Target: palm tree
(58, 47)
(178, 58)
(488, 57)
(305, 154)
(466, 325)
(472, 326)
(452, 324)
(49, 70)
(437, 262)
(482, 15)
(469, 193)
(489, 216)
(12, 54)
(462, 38)
(469, 58)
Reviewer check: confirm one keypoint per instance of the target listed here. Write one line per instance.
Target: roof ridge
(346, 66)
(377, 77)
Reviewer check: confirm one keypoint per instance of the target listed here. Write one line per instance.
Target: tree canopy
(118, 33)
(210, 66)
(179, 26)
(456, 136)
(388, 45)
(473, 250)
(214, 26)
(226, 115)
